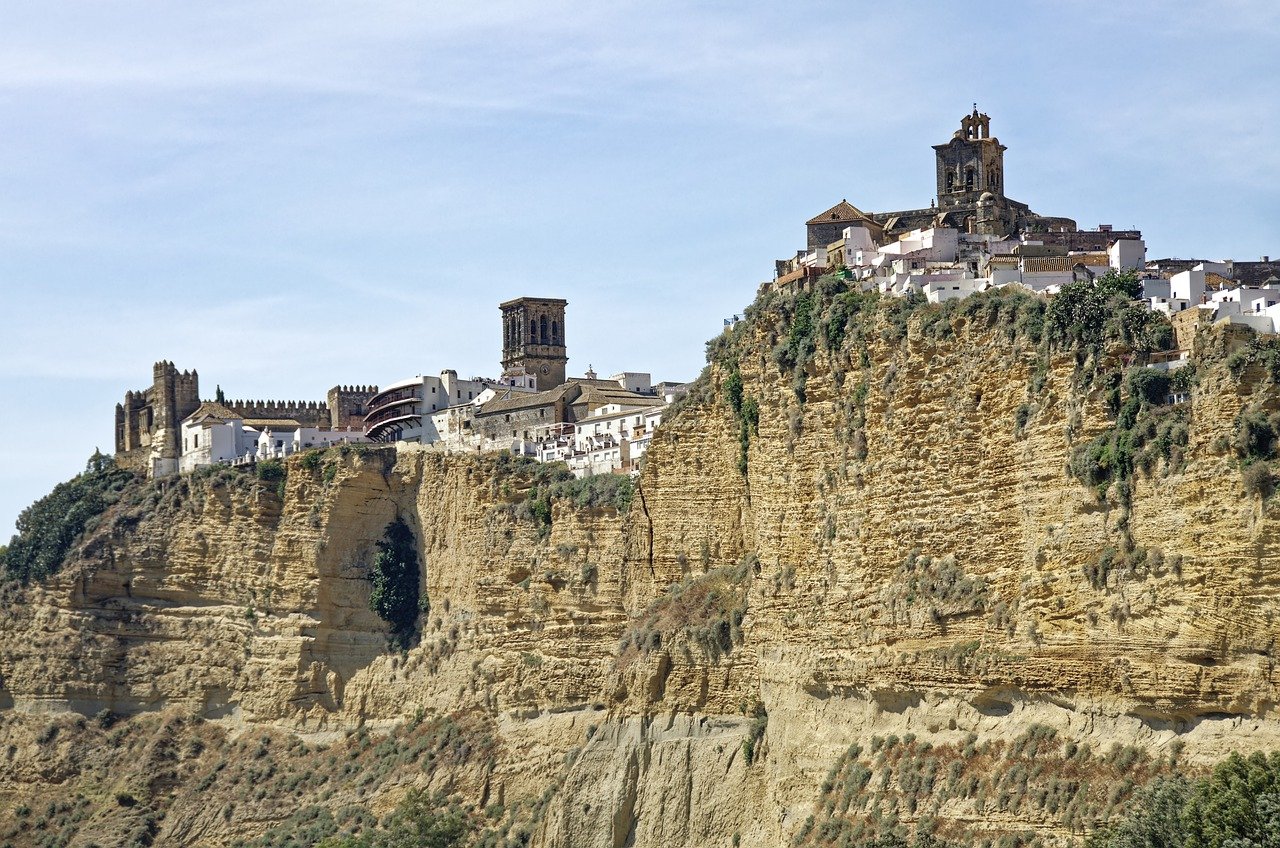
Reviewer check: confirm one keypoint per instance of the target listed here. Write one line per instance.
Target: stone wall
(348, 406)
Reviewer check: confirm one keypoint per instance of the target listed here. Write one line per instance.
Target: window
(968, 179)
(197, 439)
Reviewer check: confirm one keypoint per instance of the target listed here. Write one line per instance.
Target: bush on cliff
(395, 577)
(1237, 806)
(1088, 313)
(705, 611)
(420, 821)
(49, 528)
(553, 481)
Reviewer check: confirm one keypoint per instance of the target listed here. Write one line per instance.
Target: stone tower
(971, 164)
(174, 396)
(348, 406)
(533, 339)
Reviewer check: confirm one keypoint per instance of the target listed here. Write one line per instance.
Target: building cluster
(973, 238)
(533, 409)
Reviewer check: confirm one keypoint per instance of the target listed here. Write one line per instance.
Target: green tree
(395, 577)
(1238, 806)
(49, 528)
(1154, 819)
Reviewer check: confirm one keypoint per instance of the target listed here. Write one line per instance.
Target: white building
(405, 411)
(941, 287)
(214, 434)
(1128, 254)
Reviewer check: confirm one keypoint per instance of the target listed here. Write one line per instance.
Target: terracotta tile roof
(1093, 260)
(211, 411)
(1033, 264)
(278, 423)
(842, 211)
(596, 396)
(524, 400)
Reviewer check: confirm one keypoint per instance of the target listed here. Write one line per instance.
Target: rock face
(870, 606)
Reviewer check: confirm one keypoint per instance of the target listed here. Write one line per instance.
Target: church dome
(987, 197)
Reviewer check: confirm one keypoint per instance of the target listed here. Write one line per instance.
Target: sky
(287, 196)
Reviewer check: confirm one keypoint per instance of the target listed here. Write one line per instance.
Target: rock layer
(917, 560)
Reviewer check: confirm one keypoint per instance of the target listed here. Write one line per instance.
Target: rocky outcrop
(896, 548)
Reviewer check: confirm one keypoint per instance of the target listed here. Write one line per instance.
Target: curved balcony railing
(383, 411)
(395, 396)
(397, 418)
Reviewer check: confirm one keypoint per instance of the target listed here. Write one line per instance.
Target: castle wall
(308, 413)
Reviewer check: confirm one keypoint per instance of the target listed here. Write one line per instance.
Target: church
(970, 197)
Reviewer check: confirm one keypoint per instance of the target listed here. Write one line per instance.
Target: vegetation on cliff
(1237, 806)
(907, 790)
(396, 579)
(542, 483)
(49, 528)
(704, 611)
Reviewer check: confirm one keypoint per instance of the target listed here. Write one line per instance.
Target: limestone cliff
(872, 576)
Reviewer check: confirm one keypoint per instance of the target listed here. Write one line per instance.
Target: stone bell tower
(970, 164)
(533, 339)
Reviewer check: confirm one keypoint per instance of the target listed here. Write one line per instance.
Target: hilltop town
(971, 238)
(532, 409)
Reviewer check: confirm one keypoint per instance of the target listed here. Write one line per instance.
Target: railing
(396, 412)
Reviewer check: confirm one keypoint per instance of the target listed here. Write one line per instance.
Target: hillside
(956, 569)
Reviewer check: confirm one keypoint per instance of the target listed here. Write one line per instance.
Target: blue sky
(287, 196)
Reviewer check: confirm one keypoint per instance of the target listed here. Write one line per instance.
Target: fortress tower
(148, 423)
(533, 339)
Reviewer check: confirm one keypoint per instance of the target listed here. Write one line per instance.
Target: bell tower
(971, 163)
(533, 339)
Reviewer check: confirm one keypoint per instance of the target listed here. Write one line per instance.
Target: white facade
(406, 411)
(279, 442)
(634, 381)
(1128, 254)
(213, 441)
(938, 290)
(1187, 285)
(936, 244)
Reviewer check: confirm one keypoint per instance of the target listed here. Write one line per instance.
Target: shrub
(1258, 480)
(1087, 314)
(419, 820)
(1149, 385)
(1256, 435)
(706, 611)
(48, 528)
(1237, 805)
(395, 577)
(271, 471)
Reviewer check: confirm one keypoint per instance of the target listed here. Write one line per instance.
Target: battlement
(311, 413)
